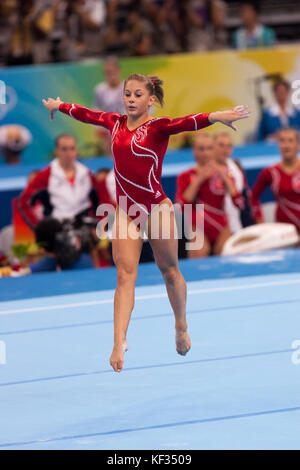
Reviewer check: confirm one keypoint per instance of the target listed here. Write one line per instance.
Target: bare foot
(183, 342)
(117, 356)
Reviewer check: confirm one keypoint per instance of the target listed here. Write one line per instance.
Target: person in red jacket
(65, 188)
(207, 183)
(139, 144)
(284, 180)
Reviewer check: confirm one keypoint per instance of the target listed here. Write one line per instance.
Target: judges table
(253, 159)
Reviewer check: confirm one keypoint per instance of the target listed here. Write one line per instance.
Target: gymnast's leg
(126, 254)
(162, 234)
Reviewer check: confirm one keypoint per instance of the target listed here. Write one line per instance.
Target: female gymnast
(208, 183)
(284, 179)
(139, 143)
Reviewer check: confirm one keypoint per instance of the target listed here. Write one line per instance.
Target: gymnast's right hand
(52, 105)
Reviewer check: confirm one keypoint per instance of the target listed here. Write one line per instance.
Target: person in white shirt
(109, 94)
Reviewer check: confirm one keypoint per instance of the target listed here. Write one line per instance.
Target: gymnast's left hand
(228, 117)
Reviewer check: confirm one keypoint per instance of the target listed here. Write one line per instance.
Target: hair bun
(155, 80)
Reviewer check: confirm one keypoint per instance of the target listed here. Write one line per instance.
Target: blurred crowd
(42, 31)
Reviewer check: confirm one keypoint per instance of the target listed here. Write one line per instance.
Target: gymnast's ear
(152, 99)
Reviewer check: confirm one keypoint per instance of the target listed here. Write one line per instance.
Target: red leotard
(211, 194)
(138, 154)
(286, 190)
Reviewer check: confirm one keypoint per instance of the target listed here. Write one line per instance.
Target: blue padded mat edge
(69, 282)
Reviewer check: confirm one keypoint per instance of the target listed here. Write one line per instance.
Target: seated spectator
(68, 29)
(92, 14)
(206, 24)
(127, 31)
(45, 19)
(167, 20)
(280, 115)
(20, 49)
(141, 34)
(13, 140)
(116, 34)
(284, 180)
(237, 218)
(66, 188)
(252, 34)
(207, 184)
(7, 24)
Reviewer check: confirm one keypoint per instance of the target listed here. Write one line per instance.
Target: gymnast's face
(288, 145)
(137, 99)
(204, 149)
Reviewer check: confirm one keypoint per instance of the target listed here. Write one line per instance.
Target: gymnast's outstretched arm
(194, 122)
